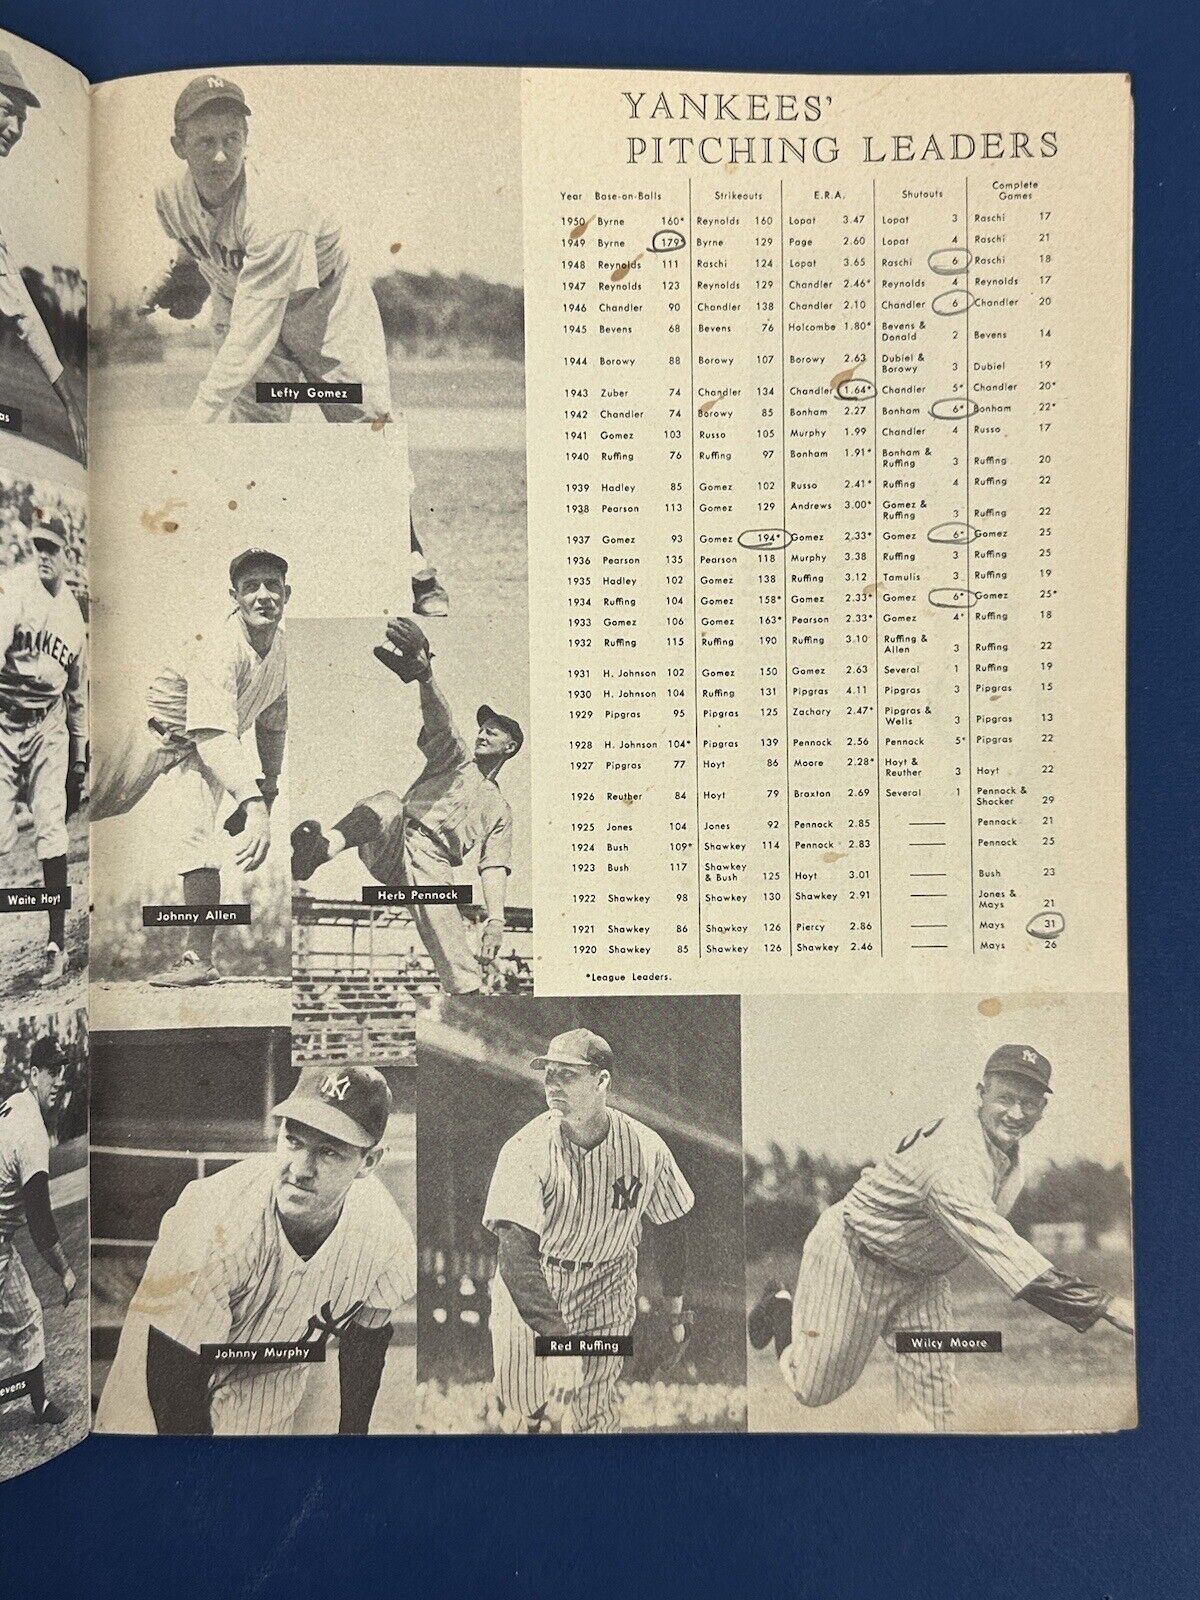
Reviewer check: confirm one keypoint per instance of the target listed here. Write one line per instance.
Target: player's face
(50, 1086)
(51, 559)
(314, 1172)
(213, 143)
(261, 596)
(574, 1091)
(1009, 1107)
(493, 740)
(12, 121)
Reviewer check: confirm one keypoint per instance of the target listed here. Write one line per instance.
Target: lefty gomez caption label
(416, 894)
(35, 899)
(584, 1344)
(309, 394)
(195, 916)
(946, 1343)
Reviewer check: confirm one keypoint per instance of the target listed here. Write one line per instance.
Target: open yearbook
(562, 845)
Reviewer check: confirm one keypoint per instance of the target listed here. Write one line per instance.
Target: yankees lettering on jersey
(45, 638)
(586, 1205)
(220, 683)
(943, 1193)
(24, 1151)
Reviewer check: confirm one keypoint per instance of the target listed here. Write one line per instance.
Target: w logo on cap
(334, 1088)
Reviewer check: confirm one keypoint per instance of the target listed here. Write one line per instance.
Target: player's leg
(195, 795)
(126, 766)
(364, 828)
(22, 1339)
(516, 1370)
(596, 1407)
(47, 757)
(276, 369)
(926, 1382)
(11, 771)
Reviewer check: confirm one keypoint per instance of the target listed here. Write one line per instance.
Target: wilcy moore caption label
(195, 916)
(584, 1344)
(416, 894)
(35, 899)
(309, 394)
(943, 1342)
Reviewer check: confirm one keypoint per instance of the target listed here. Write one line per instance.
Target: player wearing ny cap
(43, 716)
(212, 691)
(453, 807)
(567, 1203)
(25, 1122)
(878, 1262)
(16, 100)
(288, 302)
(289, 1249)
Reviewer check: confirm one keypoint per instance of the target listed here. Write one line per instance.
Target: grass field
(1049, 1379)
(23, 1442)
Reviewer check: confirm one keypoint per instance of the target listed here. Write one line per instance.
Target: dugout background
(677, 1068)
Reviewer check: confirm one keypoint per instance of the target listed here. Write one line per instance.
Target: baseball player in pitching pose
(25, 1118)
(43, 716)
(567, 1203)
(453, 807)
(288, 304)
(15, 102)
(197, 709)
(289, 1249)
(880, 1260)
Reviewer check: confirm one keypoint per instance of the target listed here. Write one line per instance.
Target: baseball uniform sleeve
(515, 1192)
(672, 1196)
(396, 1283)
(495, 848)
(274, 269)
(184, 1291)
(275, 718)
(31, 1148)
(961, 1202)
(15, 303)
(439, 741)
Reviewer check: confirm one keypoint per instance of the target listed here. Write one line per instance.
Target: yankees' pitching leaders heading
(567, 1203)
(288, 303)
(25, 1120)
(43, 716)
(295, 1247)
(199, 705)
(878, 1262)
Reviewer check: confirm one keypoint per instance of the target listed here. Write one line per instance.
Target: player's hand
(1120, 1314)
(254, 841)
(564, 1375)
(76, 787)
(489, 944)
(68, 1286)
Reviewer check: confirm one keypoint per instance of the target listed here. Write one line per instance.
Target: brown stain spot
(395, 247)
(378, 424)
(842, 377)
(580, 228)
(709, 404)
(251, 484)
(163, 520)
(625, 268)
(991, 1007)
(873, 588)
(627, 799)
(233, 505)
(834, 855)
(731, 166)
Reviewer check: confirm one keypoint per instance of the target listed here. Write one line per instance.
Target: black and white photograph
(189, 876)
(44, 206)
(254, 1259)
(43, 1237)
(938, 1214)
(580, 1216)
(44, 619)
(411, 849)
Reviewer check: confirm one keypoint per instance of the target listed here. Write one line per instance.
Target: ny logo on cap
(625, 1193)
(215, 83)
(1030, 1056)
(334, 1088)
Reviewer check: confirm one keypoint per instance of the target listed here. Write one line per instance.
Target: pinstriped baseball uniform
(587, 1208)
(217, 684)
(223, 1271)
(287, 303)
(879, 1260)
(43, 712)
(24, 1151)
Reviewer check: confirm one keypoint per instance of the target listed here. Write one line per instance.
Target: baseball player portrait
(43, 716)
(17, 100)
(27, 1119)
(879, 1268)
(265, 1267)
(190, 734)
(580, 1238)
(453, 808)
(288, 303)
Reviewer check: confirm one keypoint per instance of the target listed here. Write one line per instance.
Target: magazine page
(44, 618)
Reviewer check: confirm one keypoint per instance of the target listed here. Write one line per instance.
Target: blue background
(827, 1518)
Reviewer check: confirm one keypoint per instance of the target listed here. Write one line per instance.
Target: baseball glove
(662, 1343)
(407, 651)
(181, 292)
(235, 822)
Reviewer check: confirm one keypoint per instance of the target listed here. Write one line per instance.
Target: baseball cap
(1023, 1061)
(249, 558)
(205, 91)
(49, 527)
(347, 1101)
(47, 1054)
(11, 81)
(510, 724)
(579, 1047)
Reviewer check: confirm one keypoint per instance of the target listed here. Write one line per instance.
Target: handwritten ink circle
(855, 389)
(1047, 925)
(955, 408)
(952, 533)
(952, 302)
(666, 241)
(953, 599)
(764, 539)
(951, 261)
